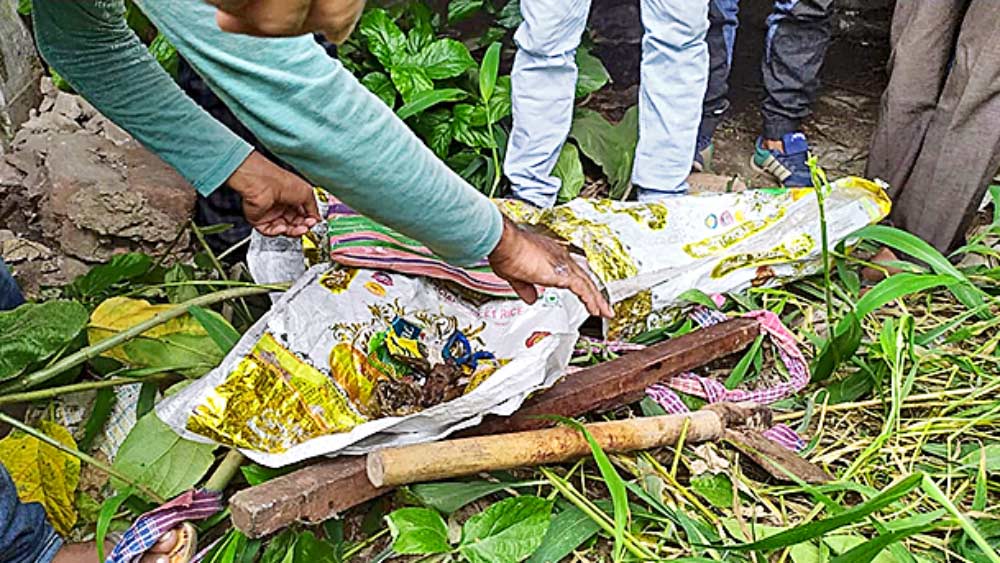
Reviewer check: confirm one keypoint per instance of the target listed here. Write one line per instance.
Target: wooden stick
(393, 467)
(329, 487)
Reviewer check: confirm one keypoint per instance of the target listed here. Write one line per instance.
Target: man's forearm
(315, 115)
(91, 46)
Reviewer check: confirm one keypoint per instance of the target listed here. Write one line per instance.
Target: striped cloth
(151, 526)
(358, 242)
(714, 392)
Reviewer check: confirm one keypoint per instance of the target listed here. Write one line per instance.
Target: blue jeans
(25, 534)
(798, 33)
(674, 74)
(10, 294)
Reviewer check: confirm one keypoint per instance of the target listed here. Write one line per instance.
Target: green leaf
(146, 400)
(178, 274)
(739, 372)
(614, 482)
(426, 100)
(34, 332)
(896, 287)
(469, 126)
(257, 474)
(120, 268)
(506, 532)
(447, 497)
(813, 530)
(104, 403)
(698, 297)
(610, 146)
(164, 52)
(410, 80)
(715, 488)
(435, 127)
(845, 342)
(869, 550)
(488, 72)
(418, 531)
(378, 83)
(24, 7)
(850, 388)
(384, 38)
(510, 16)
(459, 10)
(217, 327)
(104, 518)
(989, 455)
(569, 169)
(153, 455)
(910, 244)
(591, 76)
(567, 531)
(293, 546)
(444, 58)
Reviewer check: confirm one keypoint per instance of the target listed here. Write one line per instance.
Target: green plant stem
(41, 376)
(224, 473)
(53, 392)
(824, 237)
(35, 433)
(243, 309)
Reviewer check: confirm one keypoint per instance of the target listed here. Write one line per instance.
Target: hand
(284, 18)
(275, 201)
(526, 259)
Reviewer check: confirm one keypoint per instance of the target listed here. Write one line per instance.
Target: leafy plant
(507, 532)
(610, 146)
(35, 332)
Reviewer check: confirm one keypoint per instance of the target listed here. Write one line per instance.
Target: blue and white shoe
(788, 167)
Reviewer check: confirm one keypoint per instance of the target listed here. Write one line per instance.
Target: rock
(15, 249)
(20, 69)
(67, 105)
(101, 198)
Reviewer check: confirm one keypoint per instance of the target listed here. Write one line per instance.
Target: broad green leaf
(378, 83)
(426, 100)
(567, 531)
(164, 52)
(410, 80)
(293, 546)
(698, 297)
(281, 548)
(447, 497)
(506, 532)
(459, 10)
(34, 332)
(24, 7)
(910, 244)
(418, 531)
(500, 105)
(435, 127)
(257, 474)
(592, 76)
(44, 474)
(155, 456)
(178, 274)
(850, 388)
(120, 268)
(488, 72)
(813, 530)
(896, 287)
(182, 341)
(444, 58)
(569, 169)
(469, 126)
(510, 16)
(845, 342)
(610, 146)
(217, 327)
(716, 488)
(384, 38)
(421, 32)
(491, 35)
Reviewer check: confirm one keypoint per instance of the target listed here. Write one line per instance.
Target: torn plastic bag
(352, 359)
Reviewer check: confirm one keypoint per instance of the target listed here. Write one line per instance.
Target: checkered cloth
(151, 526)
(714, 392)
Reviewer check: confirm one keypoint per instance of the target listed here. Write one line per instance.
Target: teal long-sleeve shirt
(301, 104)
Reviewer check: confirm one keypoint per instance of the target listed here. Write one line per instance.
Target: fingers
(584, 287)
(526, 291)
(166, 543)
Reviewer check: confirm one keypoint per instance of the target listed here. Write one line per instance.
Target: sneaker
(789, 168)
(703, 154)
